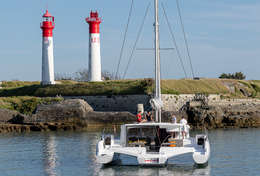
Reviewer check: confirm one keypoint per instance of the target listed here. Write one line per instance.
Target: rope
(185, 38)
(124, 40)
(137, 39)
(174, 40)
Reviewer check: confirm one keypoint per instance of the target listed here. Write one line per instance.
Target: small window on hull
(200, 141)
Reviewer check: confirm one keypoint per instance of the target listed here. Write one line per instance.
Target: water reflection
(50, 156)
(178, 166)
(155, 171)
(73, 153)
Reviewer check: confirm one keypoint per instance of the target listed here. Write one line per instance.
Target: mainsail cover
(156, 103)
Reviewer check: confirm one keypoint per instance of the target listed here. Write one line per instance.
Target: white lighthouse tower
(47, 27)
(94, 47)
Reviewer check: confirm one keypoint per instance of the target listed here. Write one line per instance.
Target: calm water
(234, 152)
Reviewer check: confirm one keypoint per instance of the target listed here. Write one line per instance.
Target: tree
(82, 75)
(63, 76)
(106, 75)
(223, 76)
(237, 75)
(240, 75)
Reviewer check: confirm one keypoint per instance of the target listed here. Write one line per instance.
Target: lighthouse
(47, 27)
(94, 47)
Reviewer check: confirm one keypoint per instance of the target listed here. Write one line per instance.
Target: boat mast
(157, 62)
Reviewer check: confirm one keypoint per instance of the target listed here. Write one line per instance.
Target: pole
(157, 61)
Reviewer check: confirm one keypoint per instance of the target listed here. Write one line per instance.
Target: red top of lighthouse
(47, 25)
(93, 22)
(47, 14)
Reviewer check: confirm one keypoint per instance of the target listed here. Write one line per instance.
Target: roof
(47, 14)
(153, 124)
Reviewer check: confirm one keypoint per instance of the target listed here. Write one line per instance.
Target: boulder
(17, 119)
(6, 115)
(13, 117)
(67, 110)
(79, 112)
(242, 116)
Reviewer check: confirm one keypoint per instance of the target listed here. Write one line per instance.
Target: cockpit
(153, 137)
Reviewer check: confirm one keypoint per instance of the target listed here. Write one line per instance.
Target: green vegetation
(26, 105)
(237, 75)
(123, 87)
(256, 86)
(188, 86)
(26, 96)
(13, 84)
(225, 87)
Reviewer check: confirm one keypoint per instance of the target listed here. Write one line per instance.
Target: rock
(72, 114)
(77, 114)
(242, 116)
(9, 116)
(167, 115)
(67, 110)
(77, 111)
(17, 119)
(234, 86)
(6, 115)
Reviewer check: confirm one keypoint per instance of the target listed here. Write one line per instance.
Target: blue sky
(224, 36)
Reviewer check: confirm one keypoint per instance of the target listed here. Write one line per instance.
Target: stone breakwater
(128, 102)
(77, 114)
(73, 114)
(235, 115)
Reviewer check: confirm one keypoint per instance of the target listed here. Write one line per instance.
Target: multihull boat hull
(198, 148)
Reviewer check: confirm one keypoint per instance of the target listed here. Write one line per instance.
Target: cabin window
(140, 136)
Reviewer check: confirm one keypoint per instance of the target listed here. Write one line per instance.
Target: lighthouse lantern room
(47, 27)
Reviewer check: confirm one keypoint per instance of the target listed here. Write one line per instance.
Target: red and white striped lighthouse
(94, 47)
(47, 27)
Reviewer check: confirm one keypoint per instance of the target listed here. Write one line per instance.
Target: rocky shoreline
(77, 114)
(219, 116)
(72, 114)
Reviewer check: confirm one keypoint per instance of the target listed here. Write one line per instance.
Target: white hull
(201, 156)
(106, 156)
(199, 152)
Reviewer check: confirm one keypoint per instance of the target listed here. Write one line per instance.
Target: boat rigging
(154, 143)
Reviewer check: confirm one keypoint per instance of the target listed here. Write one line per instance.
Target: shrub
(26, 105)
(237, 75)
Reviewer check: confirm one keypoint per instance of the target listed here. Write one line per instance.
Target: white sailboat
(154, 143)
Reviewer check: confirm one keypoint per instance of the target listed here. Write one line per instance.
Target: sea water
(233, 152)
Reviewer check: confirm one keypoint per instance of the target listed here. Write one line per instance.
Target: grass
(26, 105)
(125, 87)
(186, 86)
(13, 84)
(26, 96)
(130, 87)
(256, 86)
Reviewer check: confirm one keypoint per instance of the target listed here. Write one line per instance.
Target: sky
(223, 37)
